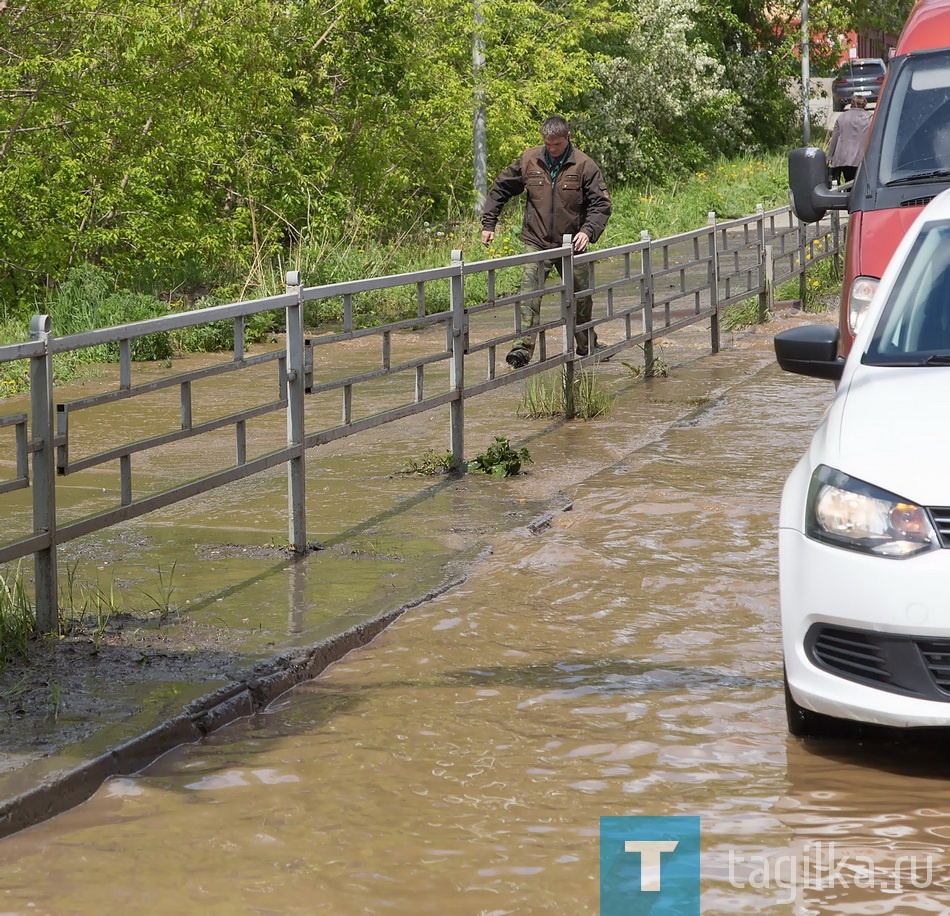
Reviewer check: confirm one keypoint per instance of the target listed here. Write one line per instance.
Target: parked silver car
(861, 76)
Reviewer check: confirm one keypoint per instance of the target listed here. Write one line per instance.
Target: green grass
(545, 396)
(17, 619)
(729, 188)
(90, 298)
(822, 282)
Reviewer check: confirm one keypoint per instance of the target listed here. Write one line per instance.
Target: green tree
(871, 14)
(169, 139)
(684, 81)
(173, 141)
(139, 135)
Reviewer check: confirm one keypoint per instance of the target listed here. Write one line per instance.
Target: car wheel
(804, 723)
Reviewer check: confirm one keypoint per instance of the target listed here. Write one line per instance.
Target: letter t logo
(650, 851)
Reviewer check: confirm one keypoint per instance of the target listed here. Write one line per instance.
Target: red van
(906, 161)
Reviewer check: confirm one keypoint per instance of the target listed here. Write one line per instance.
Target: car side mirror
(809, 193)
(810, 350)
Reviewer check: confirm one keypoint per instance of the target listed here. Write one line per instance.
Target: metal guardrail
(643, 291)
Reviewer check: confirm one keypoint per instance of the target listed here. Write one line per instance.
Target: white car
(864, 539)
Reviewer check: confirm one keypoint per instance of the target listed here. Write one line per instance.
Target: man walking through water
(566, 195)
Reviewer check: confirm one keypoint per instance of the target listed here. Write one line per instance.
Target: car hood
(891, 428)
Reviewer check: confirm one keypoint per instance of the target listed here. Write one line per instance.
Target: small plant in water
(55, 700)
(161, 598)
(85, 610)
(500, 459)
(659, 369)
(429, 464)
(376, 550)
(105, 607)
(543, 396)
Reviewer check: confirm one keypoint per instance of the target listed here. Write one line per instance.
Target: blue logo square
(649, 866)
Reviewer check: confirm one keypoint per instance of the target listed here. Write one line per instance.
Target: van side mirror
(809, 193)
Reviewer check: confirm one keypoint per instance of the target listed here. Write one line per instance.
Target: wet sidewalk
(238, 620)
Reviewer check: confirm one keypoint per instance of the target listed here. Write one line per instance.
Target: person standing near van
(566, 195)
(849, 136)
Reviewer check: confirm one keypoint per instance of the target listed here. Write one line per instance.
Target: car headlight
(859, 298)
(850, 513)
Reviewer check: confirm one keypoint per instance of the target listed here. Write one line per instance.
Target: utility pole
(478, 122)
(806, 119)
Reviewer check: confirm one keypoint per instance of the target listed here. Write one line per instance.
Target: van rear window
(916, 140)
(873, 70)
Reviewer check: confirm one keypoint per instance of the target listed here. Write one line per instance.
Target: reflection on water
(624, 662)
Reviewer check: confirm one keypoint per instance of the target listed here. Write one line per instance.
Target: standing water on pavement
(625, 660)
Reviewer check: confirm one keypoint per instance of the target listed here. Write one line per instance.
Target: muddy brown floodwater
(623, 661)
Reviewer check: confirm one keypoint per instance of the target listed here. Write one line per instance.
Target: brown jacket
(849, 136)
(576, 201)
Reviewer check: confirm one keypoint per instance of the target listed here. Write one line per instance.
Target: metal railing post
(764, 293)
(457, 366)
(836, 235)
(646, 299)
(296, 467)
(44, 478)
(569, 316)
(712, 278)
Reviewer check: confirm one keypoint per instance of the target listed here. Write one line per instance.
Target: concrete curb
(61, 791)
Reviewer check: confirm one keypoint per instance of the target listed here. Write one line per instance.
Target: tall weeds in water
(17, 619)
(86, 609)
(591, 399)
(545, 396)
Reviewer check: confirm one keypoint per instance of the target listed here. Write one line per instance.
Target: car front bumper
(877, 616)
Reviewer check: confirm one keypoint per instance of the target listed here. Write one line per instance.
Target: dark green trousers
(533, 278)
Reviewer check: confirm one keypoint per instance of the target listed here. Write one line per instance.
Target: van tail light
(862, 292)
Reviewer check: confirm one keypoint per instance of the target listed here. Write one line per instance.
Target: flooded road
(624, 660)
